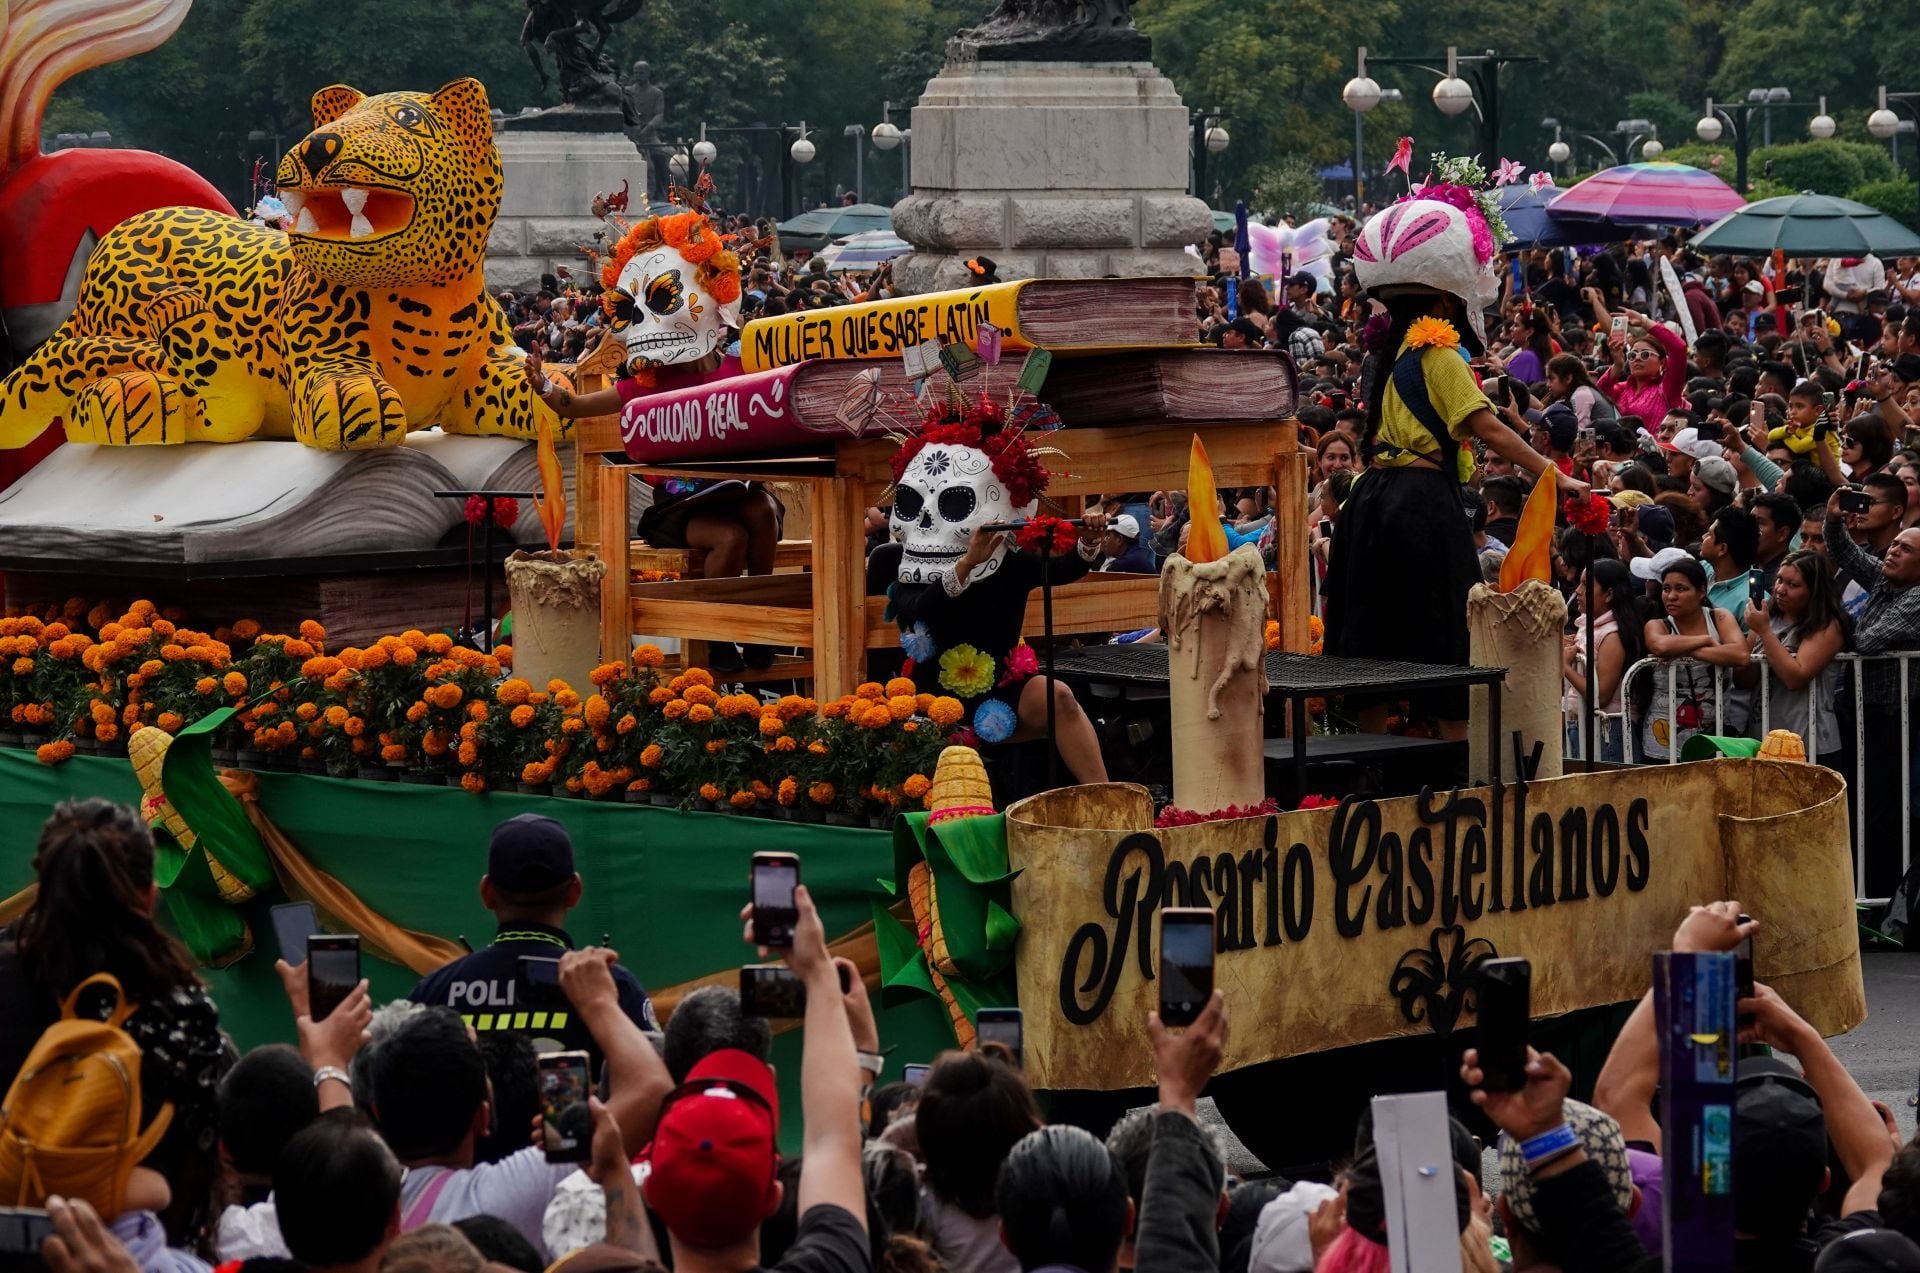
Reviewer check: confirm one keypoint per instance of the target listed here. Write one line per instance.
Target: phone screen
(772, 990)
(915, 1075)
(333, 970)
(1002, 1026)
(22, 1230)
(1186, 964)
(293, 923)
(1504, 996)
(775, 876)
(1708, 430)
(541, 977)
(566, 1124)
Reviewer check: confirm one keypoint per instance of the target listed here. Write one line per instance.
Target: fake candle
(1213, 614)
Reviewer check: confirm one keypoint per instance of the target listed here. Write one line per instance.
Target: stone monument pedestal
(554, 163)
(1053, 169)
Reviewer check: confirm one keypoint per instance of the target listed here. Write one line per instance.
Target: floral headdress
(1459, 180)
(957, 420)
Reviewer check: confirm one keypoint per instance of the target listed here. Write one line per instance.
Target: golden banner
(1346, 925)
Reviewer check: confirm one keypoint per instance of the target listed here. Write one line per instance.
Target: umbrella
(1808, 225)
(1650, 194)
(1533, 225)
(1225, 223)
(822, 226)
(867, 251)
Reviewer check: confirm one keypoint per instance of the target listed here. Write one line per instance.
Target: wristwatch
(872, 1062)
(335, 1073)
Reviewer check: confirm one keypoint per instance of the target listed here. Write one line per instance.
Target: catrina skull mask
(946, 493)
(662, 314)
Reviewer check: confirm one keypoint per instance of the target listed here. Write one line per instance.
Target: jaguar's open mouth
(351, 213)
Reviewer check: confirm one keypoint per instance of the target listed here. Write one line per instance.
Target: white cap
(1689, 442)
(1280, 1239)
(1652, 568)
(1127, 526)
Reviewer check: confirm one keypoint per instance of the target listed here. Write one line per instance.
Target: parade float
(287, 756)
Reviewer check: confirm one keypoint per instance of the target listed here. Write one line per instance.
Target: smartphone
(1504, 1001)
(1857, 502)
(1827, 399)
(333, 970)
(1757, 586)
(22, 1230)
(1709, 430)
(1620, 323)
(1743, 972)
(772, 990)
(775, 876)
(1002, 1026)
(915, 1075)
(566, 1124)
(1186, 963)
(293, 923)
(540, 979)
(1584, 435)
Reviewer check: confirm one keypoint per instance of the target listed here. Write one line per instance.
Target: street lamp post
(800, 152)
(859, 134)
(1717, 120)
(886, 135)
(1885, 124)
(1471, 80)
(1361, 95)
(1209, 138)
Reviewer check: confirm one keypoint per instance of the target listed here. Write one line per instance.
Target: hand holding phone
(1004, 1027)
(566, 1122)
(333, 970)
(775, 876)
(293, 923)
(1503, 1001)
(772, 990)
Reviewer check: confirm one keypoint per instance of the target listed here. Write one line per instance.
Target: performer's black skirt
(1403, 562)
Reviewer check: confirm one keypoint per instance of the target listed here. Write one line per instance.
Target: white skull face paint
(946, 493)
(661, 313)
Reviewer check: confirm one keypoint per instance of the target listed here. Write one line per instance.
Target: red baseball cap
(715, 1156)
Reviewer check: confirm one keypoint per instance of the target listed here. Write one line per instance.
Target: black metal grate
(1289, 674)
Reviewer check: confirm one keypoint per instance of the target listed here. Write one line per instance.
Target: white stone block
(1041, 222)
(1173, 221)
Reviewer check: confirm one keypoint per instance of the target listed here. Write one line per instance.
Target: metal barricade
(1630, 723)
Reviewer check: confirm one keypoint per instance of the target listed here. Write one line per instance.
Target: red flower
(1174, 816)
(1035, 535)
(1317, 802)
(506, 511)
(1589, 516)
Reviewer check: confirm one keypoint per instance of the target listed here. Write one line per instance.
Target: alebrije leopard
(368, 319)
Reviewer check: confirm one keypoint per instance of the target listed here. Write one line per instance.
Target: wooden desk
(827, 609)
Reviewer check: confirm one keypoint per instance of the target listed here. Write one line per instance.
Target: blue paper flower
(918, 643)
(994, 721)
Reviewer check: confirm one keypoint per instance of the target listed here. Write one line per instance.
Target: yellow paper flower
(966, 671)
(1433, 333)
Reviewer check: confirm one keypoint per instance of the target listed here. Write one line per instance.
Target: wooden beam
(722, 620)
(614, 523)
(1291, 586)
(839, 586)
(1131, 459)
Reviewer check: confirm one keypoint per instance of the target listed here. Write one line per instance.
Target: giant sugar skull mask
(946, 493)
(663, 315)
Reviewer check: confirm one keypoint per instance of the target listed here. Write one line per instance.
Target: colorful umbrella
(868, 251)
(1650, 194)
(1532, 224)
(1809, 225)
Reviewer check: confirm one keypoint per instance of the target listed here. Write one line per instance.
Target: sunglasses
(1638, 355)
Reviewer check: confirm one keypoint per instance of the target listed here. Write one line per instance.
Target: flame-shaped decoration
(1207, 541)
(552, 500)
(1531, 556)
(44, 43)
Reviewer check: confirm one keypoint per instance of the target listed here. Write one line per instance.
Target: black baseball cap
(1300, 278)
(1779, 1152)
(1906, 367)
(1870, 1251)
(1655, 524)
(531, 853)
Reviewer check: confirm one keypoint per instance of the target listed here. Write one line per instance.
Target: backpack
(70, 1123)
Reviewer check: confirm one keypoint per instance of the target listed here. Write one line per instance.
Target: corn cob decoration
(147, 749)
(926, 927)
(960, 787)
(1783, 744)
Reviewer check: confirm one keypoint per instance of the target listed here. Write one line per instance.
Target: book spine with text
(882, 329)
(737, 415)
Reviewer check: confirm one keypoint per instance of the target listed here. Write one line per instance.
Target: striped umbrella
(1650, 194)
(861, 252)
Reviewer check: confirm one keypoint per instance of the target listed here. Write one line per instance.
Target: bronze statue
(560, 27)
(1053, 30)
(642, 106)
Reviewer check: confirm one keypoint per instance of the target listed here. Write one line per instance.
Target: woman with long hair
(1618, 643)
(1404, 560)
(1648, 377)
(1534, 346)
(974, 1108)
(1799, 631)
(1568, 382)
(1692, 633)
(93, 913)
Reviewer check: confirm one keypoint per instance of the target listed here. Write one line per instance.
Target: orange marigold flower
(699, 714)
(878, 716)
(152, 667)
(945, 711)
(393, 751)
(171, 722)
(771, 727)
(789, 791)
(605, 675)
(469, 753)
(416, 713)
(834, 710)
(648, 656)
(404, 656)
(572, 725)
(504, 653)
(660, 694)
(521, 716)
(735, 705)
(307, 711)
(513, 691)
(743, 799)
(870, 690)
(699, 676)
(627, 724)
(23, 667)
(355, 727)
(916, 785)
(477, 710)
(205, 685)
(676, 708)
(438, 643)
(821, 793)
(375, 657)
(651, 755)
(640, 784)
(446, 696)
(472, 782)
(901, 706)
(785, 742)
(414, 639)
(701, 694)
(434, 743)
(336, 716)
(246, 629)
(901, 685)
(310, 630)
(170, 653)
(535, 772)
(53, 753)
(817, 748)
(715, 746)
(102, 712)
(709, 792)
(598, 712)
(793, 706)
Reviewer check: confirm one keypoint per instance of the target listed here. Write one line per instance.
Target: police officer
(530, 885)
